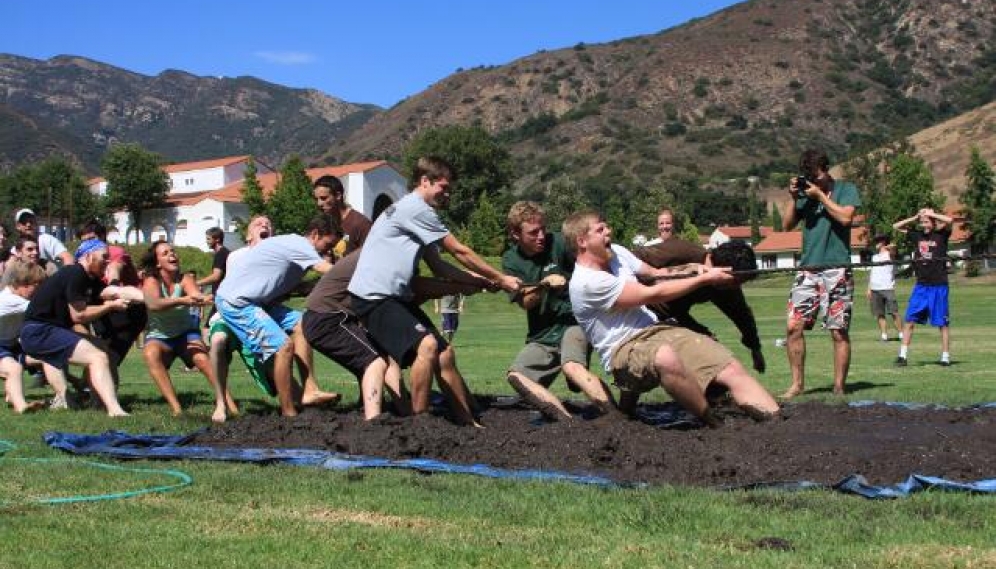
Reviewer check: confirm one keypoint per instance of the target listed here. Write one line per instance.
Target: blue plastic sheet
(119, 444)
(123, 445)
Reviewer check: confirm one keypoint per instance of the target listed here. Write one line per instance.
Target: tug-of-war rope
(749, 273)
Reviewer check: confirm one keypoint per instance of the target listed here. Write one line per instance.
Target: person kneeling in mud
(610, 305)
(554, 342)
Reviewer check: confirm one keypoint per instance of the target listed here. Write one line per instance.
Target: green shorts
(256, 368)
(633, 366)
(541, 363)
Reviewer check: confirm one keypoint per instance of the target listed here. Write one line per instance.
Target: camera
(801, 183)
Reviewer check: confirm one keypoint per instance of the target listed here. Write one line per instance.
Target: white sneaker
(900, 336)
(884, 338)
(58, 402)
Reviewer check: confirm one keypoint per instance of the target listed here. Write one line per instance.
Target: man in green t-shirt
(825, 208)
(554, 342)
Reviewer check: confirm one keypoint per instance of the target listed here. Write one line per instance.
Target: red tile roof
(232, 193)
(204, 164)
(780, 242)
(741, 231)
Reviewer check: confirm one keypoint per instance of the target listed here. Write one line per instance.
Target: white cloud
(286, 57)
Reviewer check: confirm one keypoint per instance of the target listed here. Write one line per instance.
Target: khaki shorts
(633, 362)
(542, 363)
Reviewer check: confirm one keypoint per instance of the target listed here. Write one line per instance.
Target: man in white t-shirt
(49, 247)
(882, 287)
(610, 305)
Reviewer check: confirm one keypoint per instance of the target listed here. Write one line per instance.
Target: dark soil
(815, 442)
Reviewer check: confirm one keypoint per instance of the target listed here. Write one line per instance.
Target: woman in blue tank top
(172, 330)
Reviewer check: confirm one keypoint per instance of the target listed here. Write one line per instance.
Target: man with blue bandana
(76, 296)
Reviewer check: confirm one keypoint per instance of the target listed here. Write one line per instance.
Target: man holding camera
(826, 208)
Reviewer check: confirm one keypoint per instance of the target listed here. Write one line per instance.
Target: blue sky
(377, 51)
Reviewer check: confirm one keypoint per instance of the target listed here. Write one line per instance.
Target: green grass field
(276, 516)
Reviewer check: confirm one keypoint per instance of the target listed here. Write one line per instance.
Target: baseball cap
(21, 213)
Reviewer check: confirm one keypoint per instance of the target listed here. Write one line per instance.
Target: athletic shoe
(900, 336)
(945, 363)
(58, 402)
(884, 338)
(900, 362)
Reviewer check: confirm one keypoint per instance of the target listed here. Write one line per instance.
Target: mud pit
(815, 442)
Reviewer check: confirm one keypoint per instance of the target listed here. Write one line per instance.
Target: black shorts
(340, 337)
(396, 326)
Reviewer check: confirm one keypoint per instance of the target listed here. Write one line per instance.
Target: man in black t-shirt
(929, 298)
(76, 296)
(215, 242)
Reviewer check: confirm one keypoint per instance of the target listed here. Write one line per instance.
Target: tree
(292, 205)
(977, 201)
(776, 218)
(482, 165)
(563, 197)
(135, 180)
(909, 188)
(252, 192)
(684, 228)
(869, 173)
(53, 188)
(485, 230)
(752, 212)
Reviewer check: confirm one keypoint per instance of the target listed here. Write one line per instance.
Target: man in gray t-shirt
(406, 233)
(248, 302)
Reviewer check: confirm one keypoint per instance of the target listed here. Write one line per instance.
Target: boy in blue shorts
(249, 303)
(929, 299)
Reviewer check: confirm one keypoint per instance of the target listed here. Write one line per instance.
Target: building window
(181, 225)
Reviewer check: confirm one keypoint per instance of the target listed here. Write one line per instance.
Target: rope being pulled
(819, 268)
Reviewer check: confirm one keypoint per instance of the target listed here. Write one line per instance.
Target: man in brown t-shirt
(329, 195)
(331, 327)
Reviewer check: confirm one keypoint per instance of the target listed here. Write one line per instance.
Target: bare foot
(30, 407)
(318, 398)
(218, 416)
(118, 413)
(792, 392)
(839, 390)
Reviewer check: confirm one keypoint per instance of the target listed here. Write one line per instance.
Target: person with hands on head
(825, 207)
(76, 296)
(929, 297)
(169, 295)
(554, 341)
(609, 302)
(383, 297)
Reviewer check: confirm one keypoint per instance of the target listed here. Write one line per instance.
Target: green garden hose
(183, 479)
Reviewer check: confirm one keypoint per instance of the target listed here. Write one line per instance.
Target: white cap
(22, 212)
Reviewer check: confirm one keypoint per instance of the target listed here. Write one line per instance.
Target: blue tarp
(122, 445)
(119, 444)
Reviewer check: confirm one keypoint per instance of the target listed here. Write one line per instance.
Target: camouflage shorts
(830, 292)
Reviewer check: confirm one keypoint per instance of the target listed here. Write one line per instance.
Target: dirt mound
(815, 442)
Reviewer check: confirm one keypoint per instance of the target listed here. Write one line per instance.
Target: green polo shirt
(824, 241)
(548, 319)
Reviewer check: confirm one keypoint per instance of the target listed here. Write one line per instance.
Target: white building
(208, 194)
